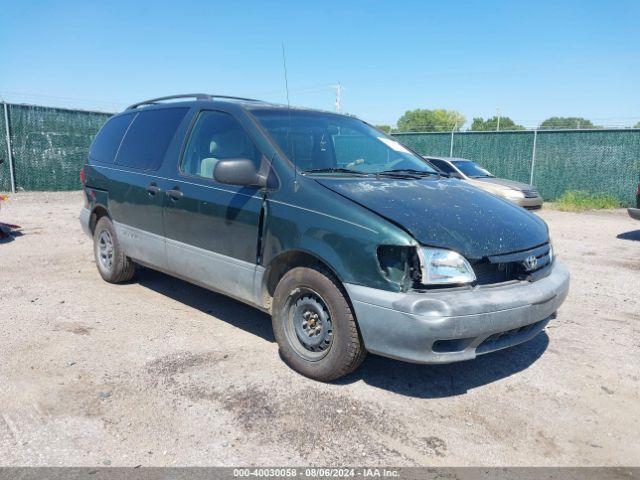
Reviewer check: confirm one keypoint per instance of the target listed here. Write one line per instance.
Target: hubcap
(310, 330)
(105, 250)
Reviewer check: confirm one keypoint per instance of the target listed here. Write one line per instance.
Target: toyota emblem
(530, 263)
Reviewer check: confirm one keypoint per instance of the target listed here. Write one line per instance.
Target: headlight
(552, 254)
(444, 267)
(513, 194)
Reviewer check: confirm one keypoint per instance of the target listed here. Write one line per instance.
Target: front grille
(531, 193)
(511, 266)
(488, 273)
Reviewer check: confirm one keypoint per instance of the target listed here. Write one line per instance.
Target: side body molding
(213, 271)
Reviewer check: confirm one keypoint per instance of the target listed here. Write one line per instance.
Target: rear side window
(148, 138)
(105, 145)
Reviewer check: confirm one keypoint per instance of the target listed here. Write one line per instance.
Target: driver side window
(442, 165)
(216, 136)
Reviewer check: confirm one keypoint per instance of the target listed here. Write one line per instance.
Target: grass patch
(580, 200)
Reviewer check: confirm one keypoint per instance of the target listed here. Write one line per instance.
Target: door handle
(152, 189)
(175, 194)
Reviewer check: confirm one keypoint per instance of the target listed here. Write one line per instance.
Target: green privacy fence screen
(597, 161)
(50, 145)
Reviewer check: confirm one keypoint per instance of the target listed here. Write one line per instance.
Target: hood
(503, 182)
(447, 214)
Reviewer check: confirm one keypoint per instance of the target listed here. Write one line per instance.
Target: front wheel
(114, 266)
(314, 325)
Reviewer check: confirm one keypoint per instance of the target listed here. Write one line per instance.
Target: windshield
(337, 144)
(471, 169)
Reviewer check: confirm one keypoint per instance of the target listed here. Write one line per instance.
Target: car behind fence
(49, 145)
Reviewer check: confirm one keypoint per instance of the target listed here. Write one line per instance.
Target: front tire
(114, 266)
(314, 325)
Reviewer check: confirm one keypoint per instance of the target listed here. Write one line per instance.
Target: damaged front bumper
(444, 326)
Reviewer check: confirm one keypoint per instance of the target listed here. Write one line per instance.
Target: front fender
(348, 247)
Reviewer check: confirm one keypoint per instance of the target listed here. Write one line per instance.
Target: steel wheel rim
(309, 327)
(105, 249)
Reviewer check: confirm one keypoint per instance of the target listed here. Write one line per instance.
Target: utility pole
(498, 124)
(338, 88)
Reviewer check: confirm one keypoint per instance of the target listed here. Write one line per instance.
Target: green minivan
(352, 242)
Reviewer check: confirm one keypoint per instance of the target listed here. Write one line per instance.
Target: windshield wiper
(408, 172)
(335, 170)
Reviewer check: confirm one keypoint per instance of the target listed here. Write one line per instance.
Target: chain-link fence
(598, 161)
(50, 145)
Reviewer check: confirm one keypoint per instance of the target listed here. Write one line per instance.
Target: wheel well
(284, 262)
(96, 215)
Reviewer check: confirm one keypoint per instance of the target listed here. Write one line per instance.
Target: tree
(438, 120)
(637, 125)
(491, 124)
(555, 123)
(384, 128)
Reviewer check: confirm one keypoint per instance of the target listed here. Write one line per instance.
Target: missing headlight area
(400, 264)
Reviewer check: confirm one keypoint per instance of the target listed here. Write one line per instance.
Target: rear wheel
(114, 266)
(314, 325)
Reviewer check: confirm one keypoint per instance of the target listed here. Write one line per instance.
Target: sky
(530, 60)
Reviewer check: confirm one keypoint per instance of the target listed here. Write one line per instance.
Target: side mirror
(238, 171)
(455, 175)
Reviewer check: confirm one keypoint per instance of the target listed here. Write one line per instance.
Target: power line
(61, 102)
(114, 105)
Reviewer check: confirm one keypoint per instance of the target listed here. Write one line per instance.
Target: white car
(526, 196)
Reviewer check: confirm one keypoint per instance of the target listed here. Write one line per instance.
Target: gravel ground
(160, 372)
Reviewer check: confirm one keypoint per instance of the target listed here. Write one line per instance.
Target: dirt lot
(159, 372)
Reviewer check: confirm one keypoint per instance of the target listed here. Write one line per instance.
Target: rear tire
(114, 266)
(314, 325)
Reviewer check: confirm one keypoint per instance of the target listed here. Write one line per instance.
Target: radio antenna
(286, 88)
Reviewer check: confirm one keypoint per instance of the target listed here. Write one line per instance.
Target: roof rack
(197, 96)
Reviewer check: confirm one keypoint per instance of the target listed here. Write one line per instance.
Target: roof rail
(197, 96)
(236, 98)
